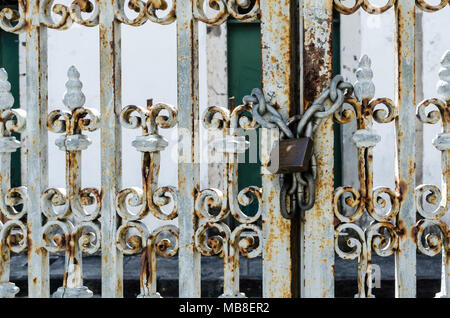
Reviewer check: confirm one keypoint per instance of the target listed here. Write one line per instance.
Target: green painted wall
(244, 74)
(9, 60)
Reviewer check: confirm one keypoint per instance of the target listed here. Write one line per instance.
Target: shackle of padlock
(294, 190)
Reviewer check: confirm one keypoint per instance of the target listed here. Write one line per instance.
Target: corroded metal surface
(318, 244)
(213, 235)
(36, 150)
(279, 273)
(133, 236)
(72, 213)
(188, 147)
(222, 10)
(111, 150)
(405, 153)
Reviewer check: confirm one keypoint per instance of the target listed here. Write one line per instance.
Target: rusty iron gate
(296, 67)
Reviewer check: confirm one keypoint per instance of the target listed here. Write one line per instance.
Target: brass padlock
(291, 155)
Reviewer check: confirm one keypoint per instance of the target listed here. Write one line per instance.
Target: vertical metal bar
(418, 33)
(318, 258)
(217, 76)
(279, 278)
(188, 147)
(405, 260)
(74, 277)
(111, 151)
(36, 152)
(148, 277)
(351, 48)
(230, 272)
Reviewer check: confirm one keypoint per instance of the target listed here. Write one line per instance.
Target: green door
(244, 74)
(9, 60)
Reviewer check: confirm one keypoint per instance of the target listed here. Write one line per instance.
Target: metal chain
(300, 188)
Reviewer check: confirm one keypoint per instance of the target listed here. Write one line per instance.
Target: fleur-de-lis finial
(73, 97)
(6, 98)
(443, 87)
(364, 87)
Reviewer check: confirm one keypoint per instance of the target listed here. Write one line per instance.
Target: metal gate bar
(188, 151)
(318, 222)
(111, 149)
(405, 268)
(279, 273)
(36, 148)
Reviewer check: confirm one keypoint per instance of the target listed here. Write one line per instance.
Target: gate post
(111, 150)
(318, 229)
(36, 150)
(188, 148)
(405, 123)
(280, 272)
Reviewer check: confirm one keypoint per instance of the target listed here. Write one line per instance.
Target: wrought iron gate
(298, 255)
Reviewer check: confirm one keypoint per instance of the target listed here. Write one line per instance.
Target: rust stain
(402, 189)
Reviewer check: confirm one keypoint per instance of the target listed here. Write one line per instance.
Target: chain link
(299, 186)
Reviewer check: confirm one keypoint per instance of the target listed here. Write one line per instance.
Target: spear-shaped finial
(73, 97)
(6, 98)
(443, 87)
(364, 87)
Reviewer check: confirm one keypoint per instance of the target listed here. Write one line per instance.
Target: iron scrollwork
(432, 205)
(72, 213)
(12, 20)
(13, 208)
(381, 203)
(367, 6)
(214, 236)
(222, 9)
(133, 236)
(68, 15)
